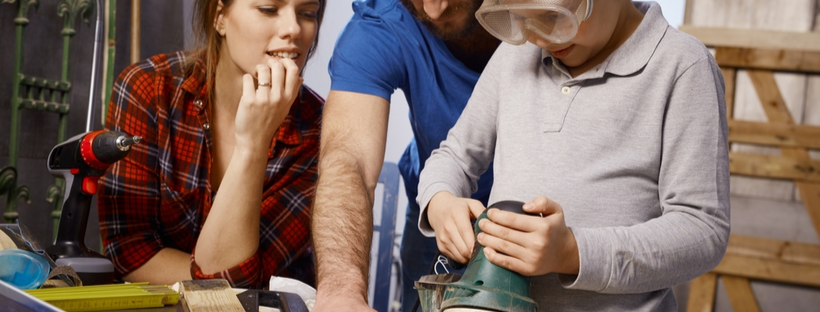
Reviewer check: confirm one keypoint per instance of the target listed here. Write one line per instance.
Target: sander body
(484, 286)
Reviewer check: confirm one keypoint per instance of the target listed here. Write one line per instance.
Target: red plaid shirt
(159, 196)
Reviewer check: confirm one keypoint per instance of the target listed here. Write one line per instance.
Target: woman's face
(256, 30)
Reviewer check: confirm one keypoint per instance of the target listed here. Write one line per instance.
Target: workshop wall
(162, 31)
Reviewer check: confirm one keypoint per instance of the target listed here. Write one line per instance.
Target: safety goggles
(513, 21)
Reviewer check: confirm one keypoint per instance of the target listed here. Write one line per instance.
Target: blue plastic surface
(23, 269)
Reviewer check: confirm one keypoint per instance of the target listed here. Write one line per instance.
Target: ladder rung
(45, 106)
(55, 85)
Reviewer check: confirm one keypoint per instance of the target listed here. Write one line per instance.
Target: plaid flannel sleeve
(290, 182)
(247, 274)
(129, 196)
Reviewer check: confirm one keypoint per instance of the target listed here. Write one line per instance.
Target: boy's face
(593, 35)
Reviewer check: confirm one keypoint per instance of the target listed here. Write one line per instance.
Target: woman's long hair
(208, 41)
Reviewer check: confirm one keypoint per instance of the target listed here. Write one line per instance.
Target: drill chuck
(101, 149)
(124, 143)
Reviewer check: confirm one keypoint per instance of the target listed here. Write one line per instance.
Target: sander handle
(505, 205)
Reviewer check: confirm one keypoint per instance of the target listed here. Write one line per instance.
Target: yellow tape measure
(107, 297)
(105, 304)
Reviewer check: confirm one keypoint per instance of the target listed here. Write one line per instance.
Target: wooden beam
(770, 97)
(136, 32)
(761, 39)
(213, 295)
(763, 133)
(687, 12)
(771, 260)
(774, 167)
(777, 112)
(769, 270)
(702, 293)
(729, 80)
(810, 194)
(773, 249)
(772, 59)
(740, 293)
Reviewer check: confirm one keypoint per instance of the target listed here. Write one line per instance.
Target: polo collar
(636, 51)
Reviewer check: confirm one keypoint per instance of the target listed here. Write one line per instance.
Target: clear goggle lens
(512, 21)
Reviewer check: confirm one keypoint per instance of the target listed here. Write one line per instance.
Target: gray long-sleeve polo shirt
(634, 150)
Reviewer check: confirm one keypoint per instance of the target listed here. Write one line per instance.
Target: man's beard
(458, 32)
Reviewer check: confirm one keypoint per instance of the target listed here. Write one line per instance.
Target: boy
(611, 126)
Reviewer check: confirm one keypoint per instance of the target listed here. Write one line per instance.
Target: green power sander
(484, 285)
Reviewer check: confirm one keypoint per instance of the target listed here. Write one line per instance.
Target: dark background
(163, 30)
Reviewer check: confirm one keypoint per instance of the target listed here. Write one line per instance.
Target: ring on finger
(264, 84)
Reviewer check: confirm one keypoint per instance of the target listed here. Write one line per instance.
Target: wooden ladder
(754, 258)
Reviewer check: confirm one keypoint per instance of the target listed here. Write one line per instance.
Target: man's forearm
(342, 226)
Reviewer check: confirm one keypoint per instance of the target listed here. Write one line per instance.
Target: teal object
(23, 269)
(487, 286)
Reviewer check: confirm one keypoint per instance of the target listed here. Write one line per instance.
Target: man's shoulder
(377, 23)
(377, 8)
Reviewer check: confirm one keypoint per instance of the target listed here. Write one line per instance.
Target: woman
(221, 185)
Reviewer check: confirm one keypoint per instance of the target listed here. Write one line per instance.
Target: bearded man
(434, 51)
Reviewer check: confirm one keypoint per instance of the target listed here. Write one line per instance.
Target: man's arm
(354, 131)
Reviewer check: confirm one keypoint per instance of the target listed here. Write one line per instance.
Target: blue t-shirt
(384, 48)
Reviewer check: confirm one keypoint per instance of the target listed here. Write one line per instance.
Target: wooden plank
(729, 78)
(773, 249)
(763, 133)
(812, 117)
(768, 19)
(702, 293)
(740, 293)
(810, 194)
(771, 260)
(748, 107)
(136, 30)
(777, 112)
(773, 104)
(213, 295)
(774, 167)
(769, 270)
(798, 15)
(687, 12)
(757, 38)
(772, 59)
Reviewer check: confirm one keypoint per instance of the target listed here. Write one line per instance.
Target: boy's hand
(451, 217)
(529, 244)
